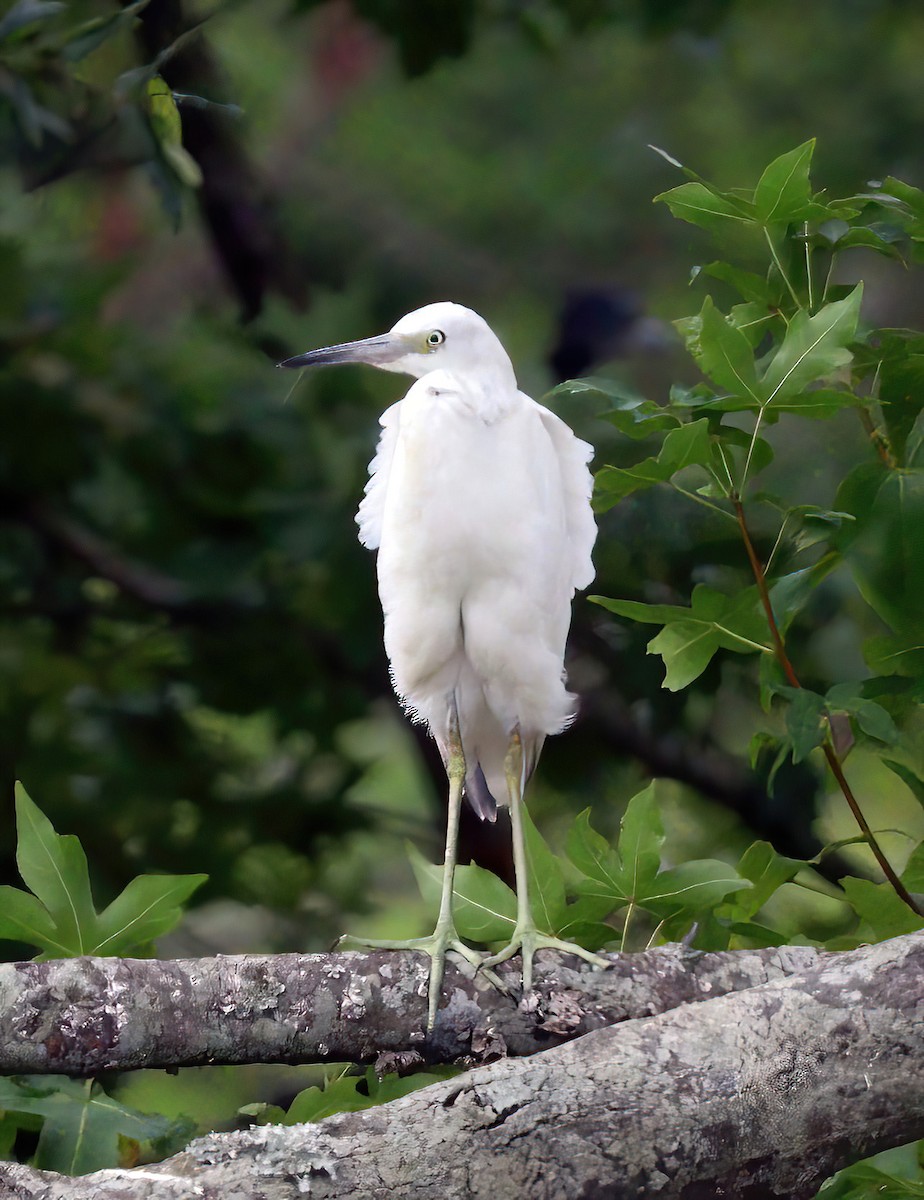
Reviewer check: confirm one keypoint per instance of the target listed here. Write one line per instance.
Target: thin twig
(877, 437)
(830, 753)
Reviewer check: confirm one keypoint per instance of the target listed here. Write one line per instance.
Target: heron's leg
(526, 937)
(444, 937)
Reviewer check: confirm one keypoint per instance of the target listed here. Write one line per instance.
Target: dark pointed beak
(376, 351)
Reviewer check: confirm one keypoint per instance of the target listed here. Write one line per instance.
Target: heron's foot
(443, 939)
(527, 940)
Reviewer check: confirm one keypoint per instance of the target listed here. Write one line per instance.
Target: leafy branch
(789, 349)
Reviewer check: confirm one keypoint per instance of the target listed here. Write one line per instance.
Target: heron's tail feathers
(479, 795)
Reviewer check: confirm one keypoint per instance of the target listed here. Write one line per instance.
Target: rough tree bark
(81, 1016)
(757, 1093)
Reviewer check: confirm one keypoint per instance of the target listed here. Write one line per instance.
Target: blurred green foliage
(191, 676)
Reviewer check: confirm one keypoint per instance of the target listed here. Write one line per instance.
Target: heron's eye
(435, 338)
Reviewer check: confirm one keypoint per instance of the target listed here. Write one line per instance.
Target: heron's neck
(487, 393)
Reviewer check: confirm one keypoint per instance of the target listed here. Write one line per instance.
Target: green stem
(808, 267)
(723, 512)
(880, 442)
(830, 753)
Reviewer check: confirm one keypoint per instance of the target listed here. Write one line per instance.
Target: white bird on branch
(478, 503)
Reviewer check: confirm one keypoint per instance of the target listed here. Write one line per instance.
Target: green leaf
(768, 871)
(866, 1182)
(902, 655)
(805, 720)
(751, 287)
(27, 12)
(393, 1087)
(882, 912)
(812, 348)
(167, 127)
(484, 907)
(641, 837)
(883, 545)
(791, 593)
(724, 354)
(816, 525)
(93, 34)
(691, 636)
(593, 855)
(83, 1129)
(54, 868)
(687, 648)
(582, 921)
(352, 1093)
(546, 880)
(871, 717)
(900, 371)
(23, 918)
(912, 201)
(631, 414)
(700, 205)
(909, 778)
(617, 877)
(692, 886)
(783, 193)
(682, 447)
(817, 404)
(913, 874)
(149, 906)
(337, 1096)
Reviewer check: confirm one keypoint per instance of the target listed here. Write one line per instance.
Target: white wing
(372, 507)
(573, 457)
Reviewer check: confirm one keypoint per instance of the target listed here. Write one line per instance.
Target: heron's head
(438, 337)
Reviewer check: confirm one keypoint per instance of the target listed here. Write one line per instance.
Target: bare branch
(85, 1015)
(759, 1093)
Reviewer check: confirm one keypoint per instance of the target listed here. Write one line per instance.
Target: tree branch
(82, 1016)
(759, 1093)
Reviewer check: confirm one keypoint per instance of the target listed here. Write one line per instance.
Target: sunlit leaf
(54, 868)
(813, 347)
(150, 905)
(640, 839)
(783, 193)
(767, 871)
(724, 354)
(698, 204)
(484, 907)
(883, 913)
(700, 883)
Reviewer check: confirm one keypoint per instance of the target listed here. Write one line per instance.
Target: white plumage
(478, 503)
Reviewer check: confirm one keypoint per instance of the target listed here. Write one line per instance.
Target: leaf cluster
(793, 346)
(343, 1090)
(80, 1128)
(57, 913)
(68, 109)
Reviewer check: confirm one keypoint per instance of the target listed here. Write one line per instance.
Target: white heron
(478, 503)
